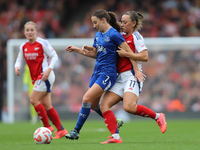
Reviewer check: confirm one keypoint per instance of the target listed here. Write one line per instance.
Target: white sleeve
(19, 60)
(49, 51)
(139, 43)
(54, 60)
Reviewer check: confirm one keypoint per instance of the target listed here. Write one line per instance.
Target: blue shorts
(104, 81)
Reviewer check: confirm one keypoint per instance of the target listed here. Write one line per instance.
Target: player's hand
(122, 52)
(140, 76)
(89, 48)
(17, 71)
(85, 49)
(71, 48)
(46, 74)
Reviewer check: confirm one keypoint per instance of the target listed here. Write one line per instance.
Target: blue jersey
(106, 44)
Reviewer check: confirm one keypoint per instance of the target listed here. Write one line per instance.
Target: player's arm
(18, 62)
(48, 49)
(142, 56)
(138, 74)
(46, 73)
(125, 51)
(88, 51)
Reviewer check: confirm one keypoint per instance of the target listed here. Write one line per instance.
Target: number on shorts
(107, 78)
(132, 84)
(38, 82)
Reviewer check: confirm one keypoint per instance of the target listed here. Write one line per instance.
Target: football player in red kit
(37, 52)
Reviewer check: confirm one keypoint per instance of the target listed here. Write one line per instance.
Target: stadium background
(172, 82)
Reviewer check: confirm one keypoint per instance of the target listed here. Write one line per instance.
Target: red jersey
(36, 56)
(136, 43)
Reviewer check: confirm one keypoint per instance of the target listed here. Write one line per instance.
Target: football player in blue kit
(106, 42)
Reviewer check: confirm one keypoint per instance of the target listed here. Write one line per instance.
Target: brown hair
(31, 23)
(136, 16)
(110, 18)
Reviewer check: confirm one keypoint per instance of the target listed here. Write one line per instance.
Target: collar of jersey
(107, 30)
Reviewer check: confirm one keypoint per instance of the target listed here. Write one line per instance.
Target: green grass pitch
(136, 135)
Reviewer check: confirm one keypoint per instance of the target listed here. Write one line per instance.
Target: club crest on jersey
(36, 48)
(25, 50)
(107, 39)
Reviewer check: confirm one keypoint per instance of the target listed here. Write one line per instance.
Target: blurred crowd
(162, 18)
(173, 81)
(49, 15)
(165, 18)
(170, 85)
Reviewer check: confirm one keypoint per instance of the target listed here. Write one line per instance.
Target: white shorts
(47, 85)
(126, 82)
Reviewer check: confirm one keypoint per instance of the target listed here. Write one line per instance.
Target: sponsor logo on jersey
(36, 48)
(100, 48)
(31, 56)
(128, 42)
(107, 39)
(143, 45)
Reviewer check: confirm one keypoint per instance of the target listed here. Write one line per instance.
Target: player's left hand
(140, 76)
(46, 74)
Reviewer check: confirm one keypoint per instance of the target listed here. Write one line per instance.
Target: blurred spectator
(167, 18)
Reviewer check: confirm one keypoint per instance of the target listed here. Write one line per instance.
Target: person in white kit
(37, 52)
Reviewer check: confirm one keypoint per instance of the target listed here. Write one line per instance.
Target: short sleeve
(117, 38)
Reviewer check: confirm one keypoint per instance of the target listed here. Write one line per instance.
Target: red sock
(42, 114)
(110, 121)
(145, 112)
(54, 117)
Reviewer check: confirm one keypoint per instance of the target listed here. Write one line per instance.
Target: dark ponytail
(110, 18)
(113, 21)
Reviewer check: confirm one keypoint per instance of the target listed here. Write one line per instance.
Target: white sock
(116, 136)
(157, 116)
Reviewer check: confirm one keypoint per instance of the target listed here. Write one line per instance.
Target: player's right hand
(17, 71)
(71, 48)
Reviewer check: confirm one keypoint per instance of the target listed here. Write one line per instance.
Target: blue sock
(83, 115)
(62, 128)
(98, 111)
